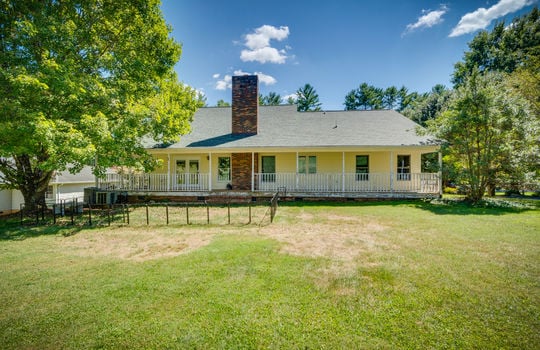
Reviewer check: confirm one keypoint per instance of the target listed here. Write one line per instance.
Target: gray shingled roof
(283, 126)
(84, 176)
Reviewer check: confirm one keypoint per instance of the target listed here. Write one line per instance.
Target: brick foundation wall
(241, 170)
(245, 104)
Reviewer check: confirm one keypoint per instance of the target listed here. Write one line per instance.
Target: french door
(187, 172)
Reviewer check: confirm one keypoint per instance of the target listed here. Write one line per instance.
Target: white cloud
(482, 17)
(266, 79)
(259, 48)
(293, 96)
(262, 36)
(263, 55)
(226, 82)
(427, 20)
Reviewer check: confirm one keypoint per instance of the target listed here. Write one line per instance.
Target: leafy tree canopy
(511, 53)
(504, 49)
(85, 80)
(489, 132)
(222, 103)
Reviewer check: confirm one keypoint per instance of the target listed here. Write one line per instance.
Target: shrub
(450, 190)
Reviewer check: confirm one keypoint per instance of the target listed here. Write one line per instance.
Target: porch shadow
(12, 230)
(438, 207)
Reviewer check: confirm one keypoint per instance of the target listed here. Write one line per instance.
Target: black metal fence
(172, 213)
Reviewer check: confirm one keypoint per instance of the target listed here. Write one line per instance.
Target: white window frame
(220, 177)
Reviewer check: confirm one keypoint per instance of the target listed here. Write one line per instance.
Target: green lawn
(408, 275)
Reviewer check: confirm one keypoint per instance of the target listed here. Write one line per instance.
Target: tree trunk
(491, 190)
(491, 182)
(33, 182)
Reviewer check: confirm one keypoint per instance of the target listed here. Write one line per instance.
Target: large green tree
(504, 49)
(83, 83)
(307, 99)
(488, 127)
(512, 51)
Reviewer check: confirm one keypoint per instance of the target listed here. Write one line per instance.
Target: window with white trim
(224, 169)
(362, 168)
(404, 167)
(307, 164)
(268, 168)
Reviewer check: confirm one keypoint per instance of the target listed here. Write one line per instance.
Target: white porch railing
(349, 182)
(322, 182)
(154, 182)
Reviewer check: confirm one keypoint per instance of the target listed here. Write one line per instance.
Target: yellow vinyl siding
(328, 162)
(162, 168)
(286, 162)
(379, 162)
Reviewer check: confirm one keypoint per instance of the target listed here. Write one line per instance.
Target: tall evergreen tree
(222, 103)
(272, 99)
(307, 99)
(369, 97)
(390, 98)
(428, 106)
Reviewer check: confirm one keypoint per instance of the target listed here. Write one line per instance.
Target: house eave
(322, 148)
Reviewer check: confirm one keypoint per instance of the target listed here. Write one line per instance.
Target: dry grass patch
(337, 237)
(340, 238)
(137, 244)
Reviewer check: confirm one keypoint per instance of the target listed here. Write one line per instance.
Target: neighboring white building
(63, 186)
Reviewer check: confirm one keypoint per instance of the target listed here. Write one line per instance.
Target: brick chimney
(245, 104)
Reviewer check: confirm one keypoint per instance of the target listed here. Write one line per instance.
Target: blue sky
(332, 45)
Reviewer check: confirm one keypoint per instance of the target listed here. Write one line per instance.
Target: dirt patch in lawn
(343, 238)
(340, 238)
(136, 244)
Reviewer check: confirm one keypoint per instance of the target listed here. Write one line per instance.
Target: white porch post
(209, 171)
(168, 172)
(440, 174)
(342, 171)
(252, 171)
(391, 171)
(296, 171)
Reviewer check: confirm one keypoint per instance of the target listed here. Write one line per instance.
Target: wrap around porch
(293, 184)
